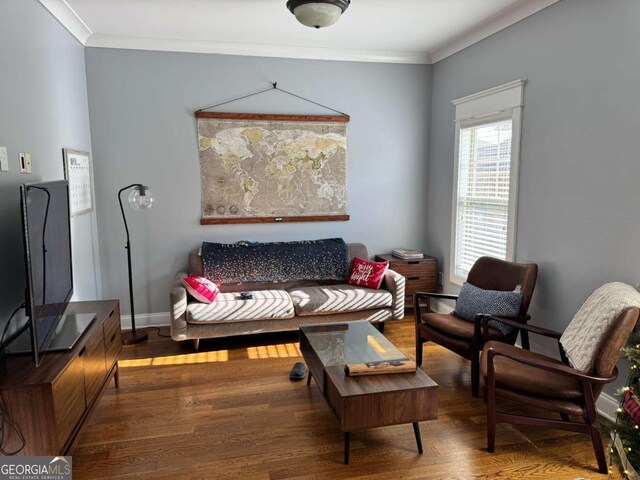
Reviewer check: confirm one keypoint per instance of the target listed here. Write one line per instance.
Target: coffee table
(371, 401)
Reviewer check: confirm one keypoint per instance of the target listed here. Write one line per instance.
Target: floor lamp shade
(140, 198)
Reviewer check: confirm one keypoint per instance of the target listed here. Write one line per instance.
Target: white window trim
(504, 101)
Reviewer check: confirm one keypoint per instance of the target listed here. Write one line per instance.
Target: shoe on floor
(298, 371)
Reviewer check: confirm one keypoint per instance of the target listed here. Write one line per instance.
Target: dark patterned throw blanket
(247, 262)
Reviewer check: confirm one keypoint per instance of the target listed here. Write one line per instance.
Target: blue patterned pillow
(473, 300)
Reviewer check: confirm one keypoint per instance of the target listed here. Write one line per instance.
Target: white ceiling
(403, 31)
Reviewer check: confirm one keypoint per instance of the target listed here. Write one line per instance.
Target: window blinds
(484, 173)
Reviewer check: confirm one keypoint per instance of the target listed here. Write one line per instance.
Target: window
(485, 177)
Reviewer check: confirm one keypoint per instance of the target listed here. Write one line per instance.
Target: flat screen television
(46, 227)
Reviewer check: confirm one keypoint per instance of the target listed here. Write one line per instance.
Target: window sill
(457, 280)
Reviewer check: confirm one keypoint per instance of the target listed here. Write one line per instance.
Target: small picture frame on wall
(78, 170)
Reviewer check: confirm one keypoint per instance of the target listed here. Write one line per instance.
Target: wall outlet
(25, 162)
(4, 160)
(441, 279)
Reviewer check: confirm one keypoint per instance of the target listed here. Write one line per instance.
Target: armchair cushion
(551, 404)
(528, 380)
(473, 300)
(455, 326)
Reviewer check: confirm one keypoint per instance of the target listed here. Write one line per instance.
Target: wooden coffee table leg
(347, 445)
(309, 378)
(416, 430)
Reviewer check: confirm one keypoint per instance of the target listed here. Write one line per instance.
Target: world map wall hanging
(259, 168)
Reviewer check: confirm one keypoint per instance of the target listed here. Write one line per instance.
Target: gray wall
(43, 108)
(579, 201)
(143, 130)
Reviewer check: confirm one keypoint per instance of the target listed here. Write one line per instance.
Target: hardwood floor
(230, 411)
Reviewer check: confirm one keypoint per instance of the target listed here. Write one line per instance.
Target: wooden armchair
(552, 385)
(466, 338)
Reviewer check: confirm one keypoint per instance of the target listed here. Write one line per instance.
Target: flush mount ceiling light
(317, 14)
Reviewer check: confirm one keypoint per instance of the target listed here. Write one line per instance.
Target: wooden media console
(51, 403)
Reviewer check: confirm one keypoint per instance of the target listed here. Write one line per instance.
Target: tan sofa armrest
(178, 311)
(395, 283)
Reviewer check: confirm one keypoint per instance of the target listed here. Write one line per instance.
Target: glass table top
(349, 343)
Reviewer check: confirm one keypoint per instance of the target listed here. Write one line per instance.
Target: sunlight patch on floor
(283, 350)
(186, 359)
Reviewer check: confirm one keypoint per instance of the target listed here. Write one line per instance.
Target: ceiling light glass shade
(318, 14)
(141, 198)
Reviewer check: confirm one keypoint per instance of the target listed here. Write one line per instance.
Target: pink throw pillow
(367, 274)
(200, 288)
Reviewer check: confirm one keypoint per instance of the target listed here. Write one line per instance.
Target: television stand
(51, 403)
(70, 328)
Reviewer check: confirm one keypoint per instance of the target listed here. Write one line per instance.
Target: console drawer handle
(413, 278)
(413, 263)
(113, 336)
(83, 351)
(112, 312)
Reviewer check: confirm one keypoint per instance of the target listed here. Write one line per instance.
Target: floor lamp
(140, 198)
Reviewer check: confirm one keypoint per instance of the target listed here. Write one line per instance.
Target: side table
(421, 274)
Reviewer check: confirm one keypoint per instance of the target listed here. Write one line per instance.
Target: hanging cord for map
(274, 86)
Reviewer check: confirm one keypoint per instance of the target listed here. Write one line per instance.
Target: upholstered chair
(466, 338)
(553, 385)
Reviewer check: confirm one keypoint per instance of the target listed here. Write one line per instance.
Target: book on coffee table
(380, 367)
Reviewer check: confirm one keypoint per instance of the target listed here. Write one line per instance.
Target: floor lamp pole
(132, 336)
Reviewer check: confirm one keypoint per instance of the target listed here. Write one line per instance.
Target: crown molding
(493, 25)
(79, 29)
(256, 50)
(68, 18)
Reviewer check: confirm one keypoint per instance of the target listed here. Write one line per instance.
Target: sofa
(282, 306)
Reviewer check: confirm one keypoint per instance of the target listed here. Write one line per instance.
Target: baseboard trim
(606, 404)
(162, 319)
(441, 307)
